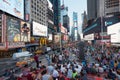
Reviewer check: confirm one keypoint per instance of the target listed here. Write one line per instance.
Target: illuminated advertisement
(13, 29)
(63, 29)
(56, 38)
(50, 36)
(114, 32)
(13, 7)
(27, 10)
(25, 32)
(39, 29)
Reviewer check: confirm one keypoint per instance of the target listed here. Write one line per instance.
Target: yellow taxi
(24, 61)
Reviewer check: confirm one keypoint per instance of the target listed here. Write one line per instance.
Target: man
(36, 58)
(55, 74)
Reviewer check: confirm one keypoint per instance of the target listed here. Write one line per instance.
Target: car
(23, 58)
(39, 51)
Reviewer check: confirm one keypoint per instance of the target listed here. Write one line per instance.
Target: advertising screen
(50, 37)
(13, 7)
(57, 38)
(13, 29)
(39, 29)
(25, 32)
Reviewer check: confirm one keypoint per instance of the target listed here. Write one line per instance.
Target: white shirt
(60, 57)
(68, 65)
(63, 69)
(101, 70)
(55, 73)
(50, 69)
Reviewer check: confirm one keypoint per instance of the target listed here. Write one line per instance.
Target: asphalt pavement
(9, 63)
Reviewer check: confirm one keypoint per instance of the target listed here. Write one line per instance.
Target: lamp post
(102, 32)
(102, 11)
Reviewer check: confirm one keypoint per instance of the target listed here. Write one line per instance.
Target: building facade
(65, 17)
(39, 11)
(92, 9)
(57, 14)
(106, 8)
(112, 7)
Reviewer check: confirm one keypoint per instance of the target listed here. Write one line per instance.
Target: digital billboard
(25, 32)
(13, 29)
(39, 29)
(13, 7)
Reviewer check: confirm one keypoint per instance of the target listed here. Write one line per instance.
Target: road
(9, 63)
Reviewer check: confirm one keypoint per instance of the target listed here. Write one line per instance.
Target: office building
(37, 11)
(50, 15)
(92, 9)
(65, 17)
(112, 7)
(57, 15)
(106, 8)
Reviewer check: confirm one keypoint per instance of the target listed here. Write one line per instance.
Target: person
(69, 72)
(45, 75)
(111, 75)
(74, 74)
(50, 69)
(25, 70)
(25, 30)
(48, 59)
(40, 64)
(55, 74)
(60, 58)
(36, 58)
(98, 77)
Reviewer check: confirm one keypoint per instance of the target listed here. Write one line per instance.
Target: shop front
(114, 32)
(89, 38)
(41, 33)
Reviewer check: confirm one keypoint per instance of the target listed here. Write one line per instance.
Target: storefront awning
(33, 44)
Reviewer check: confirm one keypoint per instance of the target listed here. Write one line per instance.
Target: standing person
(55, 74)
(48, 59)
(60, 58)
(36, 58)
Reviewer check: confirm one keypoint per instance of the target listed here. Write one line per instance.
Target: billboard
(13, 7)
(50, 37)
(13, 29)
(114, 32)
(25, 32)
(39, 29)
(56, 38)
(27, 10)
(63, 29)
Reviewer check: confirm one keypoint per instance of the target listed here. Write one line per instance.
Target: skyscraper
(112, 7)
(37, 10)
(56, 8)
(106, 8)
(92, 9)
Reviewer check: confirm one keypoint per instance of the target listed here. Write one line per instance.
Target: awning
(33, 44)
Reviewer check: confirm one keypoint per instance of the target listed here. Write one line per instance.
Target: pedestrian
(45, 75)
(36, 58)
(55, 74)
(48, 59)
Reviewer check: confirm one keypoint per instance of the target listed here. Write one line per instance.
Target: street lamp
(102, 11)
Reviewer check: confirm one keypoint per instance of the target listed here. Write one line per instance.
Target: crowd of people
(62, 67)
(99, 64)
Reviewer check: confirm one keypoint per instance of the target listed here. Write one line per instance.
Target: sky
(78, 6)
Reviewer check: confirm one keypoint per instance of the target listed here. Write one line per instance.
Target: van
(23, 58)
(21, 54)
